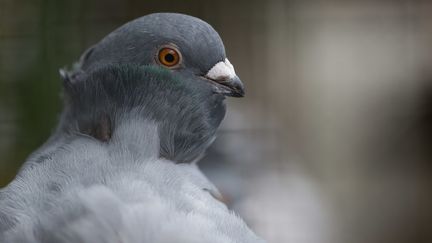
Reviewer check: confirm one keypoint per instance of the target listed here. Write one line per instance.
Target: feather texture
(90, 191)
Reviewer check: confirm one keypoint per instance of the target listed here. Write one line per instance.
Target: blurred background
(333, 142)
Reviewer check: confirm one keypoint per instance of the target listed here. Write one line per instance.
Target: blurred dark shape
(424, 126)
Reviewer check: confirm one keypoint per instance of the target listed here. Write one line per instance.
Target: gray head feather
(138, 41)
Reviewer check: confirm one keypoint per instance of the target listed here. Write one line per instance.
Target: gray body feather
(88, 191)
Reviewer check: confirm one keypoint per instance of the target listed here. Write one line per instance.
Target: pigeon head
(185, 45)
(166, 69)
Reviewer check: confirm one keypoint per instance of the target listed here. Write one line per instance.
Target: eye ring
(169, 56)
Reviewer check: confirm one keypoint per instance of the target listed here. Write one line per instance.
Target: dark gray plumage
(187, 112)
(200, 44)
(119, 167)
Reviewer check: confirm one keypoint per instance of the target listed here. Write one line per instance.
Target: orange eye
(169, 57)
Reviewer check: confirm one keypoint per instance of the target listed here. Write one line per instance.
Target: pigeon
(140, 109)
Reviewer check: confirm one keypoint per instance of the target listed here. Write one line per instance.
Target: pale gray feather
(88, 191)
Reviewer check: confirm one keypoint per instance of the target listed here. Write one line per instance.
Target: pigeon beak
(234, 87)
(225, 81)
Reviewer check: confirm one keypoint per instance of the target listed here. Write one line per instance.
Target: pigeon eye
(169, 57)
